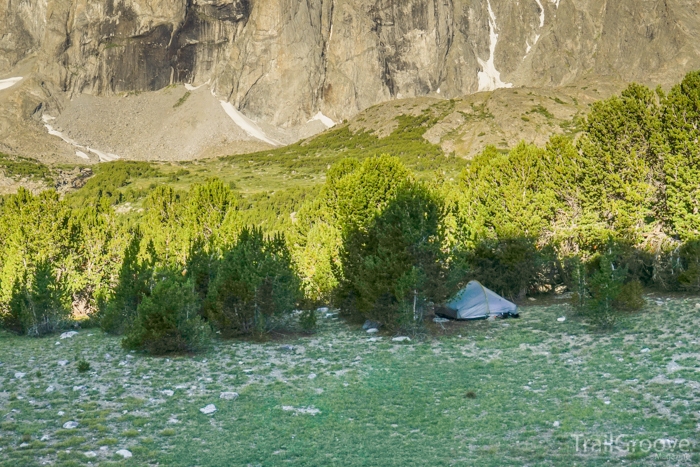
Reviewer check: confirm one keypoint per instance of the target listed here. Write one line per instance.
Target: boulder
(209, 409)
(125, 453)
(70, 425)
(369, 324)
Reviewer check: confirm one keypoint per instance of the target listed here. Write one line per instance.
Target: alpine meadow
(230, 236)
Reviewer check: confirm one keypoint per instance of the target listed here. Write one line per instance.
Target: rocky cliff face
(283, 61)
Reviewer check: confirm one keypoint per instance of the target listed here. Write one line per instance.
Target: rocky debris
(50, 389)
(90, 454)
(228, 395)
(69, 334)
(301, 410)
(209, 409)
(19, 375)
(62, 362)
(167, 392)
(125, 453)
(70, 425)
(369, 324)
(401, 339)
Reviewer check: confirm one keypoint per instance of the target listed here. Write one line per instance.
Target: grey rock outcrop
(283, 61)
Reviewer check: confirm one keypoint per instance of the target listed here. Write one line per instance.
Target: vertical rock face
(282, 61)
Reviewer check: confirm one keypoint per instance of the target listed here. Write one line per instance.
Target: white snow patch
(327, 122)
(539, 4)
(9, 82)
(490, 77)
(301, 410)
(246, 124)
(104, 157)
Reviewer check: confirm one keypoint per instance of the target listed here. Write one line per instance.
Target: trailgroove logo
(662, 448)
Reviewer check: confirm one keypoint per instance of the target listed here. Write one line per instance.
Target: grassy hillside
(496, 393)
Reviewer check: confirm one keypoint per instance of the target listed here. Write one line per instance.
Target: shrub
(133, 285)
(83, 366)
(36, 307)
(394, 265)
(602, 289)
(307, 320)
(167, 319)
(689, 255)
(255, 282)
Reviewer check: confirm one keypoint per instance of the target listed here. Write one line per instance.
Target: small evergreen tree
(132, 286)
(167, 320)
(255, 282)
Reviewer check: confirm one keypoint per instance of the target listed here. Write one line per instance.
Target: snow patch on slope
(490, 77)
(102, 156)
(323, 119)
(246, 124)
(539, 4)
(9, 82)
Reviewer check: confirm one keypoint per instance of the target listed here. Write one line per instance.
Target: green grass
(484, 393)
(182, 100)
(20, 167)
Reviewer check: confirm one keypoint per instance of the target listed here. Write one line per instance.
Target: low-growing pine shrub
(167, 320)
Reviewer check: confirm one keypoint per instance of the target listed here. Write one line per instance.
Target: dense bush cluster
(605, 216)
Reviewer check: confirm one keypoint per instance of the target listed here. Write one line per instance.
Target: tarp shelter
(477, 302)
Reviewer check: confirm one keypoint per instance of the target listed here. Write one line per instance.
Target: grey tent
(477, 302)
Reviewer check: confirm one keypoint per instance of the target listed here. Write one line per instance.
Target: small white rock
(229, 396)
(556, 424)
(19, 375)
(645, 350)
(562, 319)
(372, 331)
(62, 362)
(124, 453)
(607, 402)
(78, 388)
(437, 319)
(61, 413)
(50, 389)
(167, 392)
(211, 408)
(91, 454)
(24, 445)
(58, 343)
(69, 334)
(312, 376)
(45, 438)
(401, 339)
(697, 305)
(70, 425)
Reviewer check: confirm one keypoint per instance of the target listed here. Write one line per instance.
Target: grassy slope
(381, 403)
